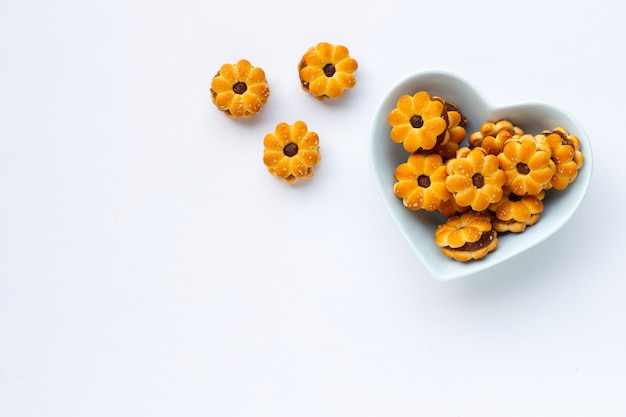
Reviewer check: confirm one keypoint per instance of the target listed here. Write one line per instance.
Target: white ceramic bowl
(418, 227)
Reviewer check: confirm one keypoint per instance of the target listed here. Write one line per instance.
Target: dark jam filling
(329, 70)
(485, 239)
(417, 121)
(478, 180)
(522, 168)
(290, 149)
(564, 139)
(240, 87)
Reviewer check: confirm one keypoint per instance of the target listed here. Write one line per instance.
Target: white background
(150, 266)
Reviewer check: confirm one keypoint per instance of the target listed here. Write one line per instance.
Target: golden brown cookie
(467, 237)
(419, 122)
(514, 213)
(457, 122)
(492, 136)
(475, 178)
(450, 208)
(291, 152)
(527, 164)
(566, 154)
(326, 70)
(455, 132)
(239, 90)
(421, 182)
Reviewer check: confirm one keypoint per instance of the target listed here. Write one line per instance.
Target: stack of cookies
(494, 184)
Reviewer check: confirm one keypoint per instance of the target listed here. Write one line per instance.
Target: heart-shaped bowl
(418, 227)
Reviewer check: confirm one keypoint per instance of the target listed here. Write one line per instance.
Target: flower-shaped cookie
(492, 136)
(291, 152)
(514, 213)
(421, 182)
(566, 154)
(419, 122)
(454, 134)
(528, 165)
(450, 208)
(327, 70)
(475, 178)
(466, 237)
(239, 90)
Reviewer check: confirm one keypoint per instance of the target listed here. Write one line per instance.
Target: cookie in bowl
(421, 182)
(566, 154)
(513, 213)
(469, 236)
(475, 178)
(527, 164)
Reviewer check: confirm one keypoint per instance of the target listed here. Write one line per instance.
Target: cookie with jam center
(566, 154)
(514, 213)
(327, 70)
(467, 237)
(291, 152)
(528, 165)
(421, 182)
(475, 178)
(239, 90)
